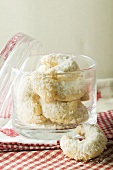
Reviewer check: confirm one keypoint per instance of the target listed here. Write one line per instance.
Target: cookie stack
(57, 87)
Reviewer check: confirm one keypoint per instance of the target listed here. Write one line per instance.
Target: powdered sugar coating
(59, 63)
(73, 112)
(93, 145)
(58, 87)
(43, 86)
(28, 107)
(65, 87)
(70, 90)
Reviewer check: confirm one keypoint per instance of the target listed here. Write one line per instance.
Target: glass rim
(74, 54)
(65, 73)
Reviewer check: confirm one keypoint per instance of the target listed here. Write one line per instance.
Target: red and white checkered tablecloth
(53, 160)
(46, 157)
(19, 153)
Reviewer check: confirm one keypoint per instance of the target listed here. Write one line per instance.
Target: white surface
(21, 139)
(105, 87)
(71, 26)
(104, 105)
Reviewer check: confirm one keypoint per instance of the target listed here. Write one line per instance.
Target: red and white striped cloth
(20, 153)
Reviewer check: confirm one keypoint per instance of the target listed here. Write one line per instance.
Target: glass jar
(45, 106)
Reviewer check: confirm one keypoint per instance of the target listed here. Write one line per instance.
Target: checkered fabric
(105, 121)
(16, 146)
(41, 157)
(53, 160)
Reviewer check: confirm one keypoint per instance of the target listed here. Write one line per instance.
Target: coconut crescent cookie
(51, 84)
(70, 90)
(65, 87)
(57, 88)
(73, 112)
(93, 145)
(43, 86)
(59, 63)
(28, 107)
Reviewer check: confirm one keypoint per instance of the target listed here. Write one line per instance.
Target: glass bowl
(65, 99)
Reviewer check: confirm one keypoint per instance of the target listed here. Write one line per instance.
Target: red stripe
(51, 166)
(10, 45)
(45, 161)
(27, 159)
(61, 162)
(14, 160)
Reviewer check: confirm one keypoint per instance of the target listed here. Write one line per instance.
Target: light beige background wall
(71, 26)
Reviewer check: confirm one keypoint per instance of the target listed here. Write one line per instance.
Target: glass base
(49, 134)
(44, 134)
